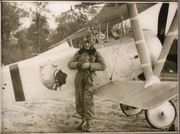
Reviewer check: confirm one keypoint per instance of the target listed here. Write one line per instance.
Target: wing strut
(166, 45)
(141, 45)
(107, 32)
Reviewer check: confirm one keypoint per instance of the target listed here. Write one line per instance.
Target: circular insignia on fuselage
(51, 76)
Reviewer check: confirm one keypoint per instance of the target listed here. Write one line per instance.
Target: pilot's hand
(85, 65)
(79, 65)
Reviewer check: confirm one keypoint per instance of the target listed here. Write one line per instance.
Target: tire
(162, 116)
(129, 110)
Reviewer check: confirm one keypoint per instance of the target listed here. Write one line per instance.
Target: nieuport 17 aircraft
(127, 53)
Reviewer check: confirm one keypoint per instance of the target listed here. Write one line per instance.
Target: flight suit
(84, 80)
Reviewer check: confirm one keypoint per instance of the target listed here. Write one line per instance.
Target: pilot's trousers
(84, 90)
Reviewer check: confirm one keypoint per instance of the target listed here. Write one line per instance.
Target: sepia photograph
(89, 66)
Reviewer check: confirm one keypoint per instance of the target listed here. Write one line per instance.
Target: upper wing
(116, 12)
(113, 13)
(133, 93)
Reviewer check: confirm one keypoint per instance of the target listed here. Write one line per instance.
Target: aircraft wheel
(129, 110)
(161, 116)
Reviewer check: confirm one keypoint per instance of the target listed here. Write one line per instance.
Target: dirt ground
(59, 116)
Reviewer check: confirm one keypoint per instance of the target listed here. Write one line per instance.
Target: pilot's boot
(89, 126)
(82, 124)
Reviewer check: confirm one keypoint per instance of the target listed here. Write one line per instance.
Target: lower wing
(134, 93)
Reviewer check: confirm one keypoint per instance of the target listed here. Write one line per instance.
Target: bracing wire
(118, 51)
(116, 57)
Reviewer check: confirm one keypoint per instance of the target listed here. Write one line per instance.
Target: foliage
(38, 31)
(68, 23)
(24, 48)
(71, 21)
(20, 44)
(10, 20)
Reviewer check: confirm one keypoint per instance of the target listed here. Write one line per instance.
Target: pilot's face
(87, 44)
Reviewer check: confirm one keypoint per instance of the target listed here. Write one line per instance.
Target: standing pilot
(87, 61)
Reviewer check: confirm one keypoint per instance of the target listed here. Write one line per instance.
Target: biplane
(131, 53)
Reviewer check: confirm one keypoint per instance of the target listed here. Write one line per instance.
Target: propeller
(162, 20)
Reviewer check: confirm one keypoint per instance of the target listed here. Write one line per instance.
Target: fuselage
(25, 80)
(120, 55)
